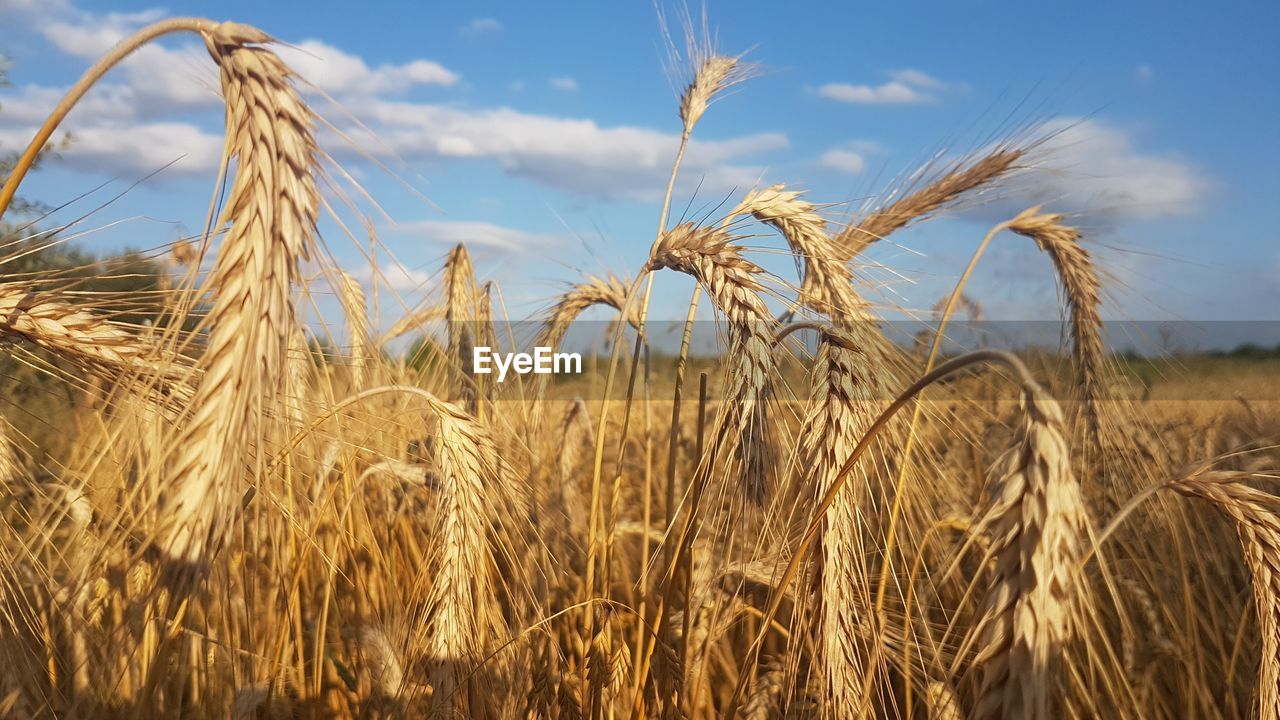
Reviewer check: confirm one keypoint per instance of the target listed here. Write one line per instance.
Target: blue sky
(541, 134)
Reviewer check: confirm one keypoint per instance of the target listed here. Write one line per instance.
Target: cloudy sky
(541, 134)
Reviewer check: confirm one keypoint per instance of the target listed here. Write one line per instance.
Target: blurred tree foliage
(127, 287)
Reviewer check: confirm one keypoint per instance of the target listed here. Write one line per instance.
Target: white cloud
(563, 84)
(163, 103)
(40, 8)
(844, 160)
(395, 276)
(452, 232)
(1092, 169)
(572, 154)
(340, 73)
(916, 78)
(905, 87)
(164, 77)
(480, 26)
(890, 93)
(134, 150)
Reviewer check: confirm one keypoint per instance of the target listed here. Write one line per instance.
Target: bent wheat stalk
(81, 336)
(91, 76)
(957, 181)
(356, 311)
(609, 290)
(1080, 282)
(708, 255)
(271, 213)
(1257, 517)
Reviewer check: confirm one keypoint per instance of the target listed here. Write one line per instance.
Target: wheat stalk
(943, 704)
(270, 212)
(1257, 517)
(1039, 525)
(947, 188)
(826, 280)
(609, 291)
(1080, 281)
(10, 467)
(461, 599)
(842, 407)
(415, 320)
(79, 335)
(461, 300)
(709, 256)
(357, 314)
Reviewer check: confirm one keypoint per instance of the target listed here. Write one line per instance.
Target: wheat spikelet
(1039, 524)
(766, 698)
(414, 321)
(843, 405)
(298, 371)
(357, 314)
(826, 280)
(472, 496)
(610, 291)
(943, 704)
(270, 212)
(1257, 517)
(714, 74)
(461, 300)
(953, 183)
(708, 255)
(78, 335)
(10, 467)
(1080, 282)
(576, 433)
(382, 659)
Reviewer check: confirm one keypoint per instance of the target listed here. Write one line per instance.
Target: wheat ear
(609, 291)
(357, 313)
(10, 468)
(842, 408)
(1080, 282)
(826, 279)
(713, 75)
(947, 188)
(1039, 525)
(299, 369)
(708, 255)
(79, 335)
(270, 216)
(1257, 517)
(461, 298)
(461, 602)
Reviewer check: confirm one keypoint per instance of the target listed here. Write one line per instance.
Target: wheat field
(224, 517)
